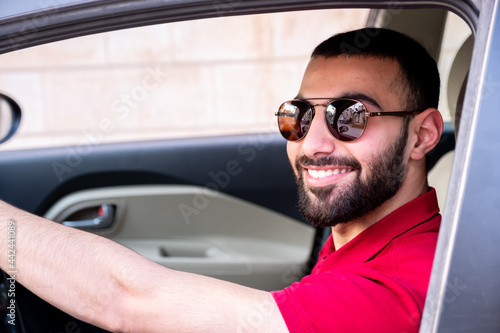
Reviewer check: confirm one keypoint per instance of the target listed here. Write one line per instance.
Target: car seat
(439, 175)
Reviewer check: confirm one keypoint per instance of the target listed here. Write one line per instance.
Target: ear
(428, 126)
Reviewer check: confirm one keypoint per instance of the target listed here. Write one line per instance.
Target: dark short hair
(419, 72)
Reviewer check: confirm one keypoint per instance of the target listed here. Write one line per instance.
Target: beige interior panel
(198, 230)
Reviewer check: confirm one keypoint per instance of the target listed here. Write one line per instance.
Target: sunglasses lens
(294, 119)
(346, 119)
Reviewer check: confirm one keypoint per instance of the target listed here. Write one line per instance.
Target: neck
(411, 189)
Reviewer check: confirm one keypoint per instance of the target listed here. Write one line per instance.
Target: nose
(318, 141)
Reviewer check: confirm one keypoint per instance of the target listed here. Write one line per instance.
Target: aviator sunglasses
(346, 118)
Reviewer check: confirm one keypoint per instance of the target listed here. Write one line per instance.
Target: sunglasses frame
(368, 114)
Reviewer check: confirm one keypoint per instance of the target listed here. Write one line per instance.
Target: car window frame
(462, 273)
(34, 28)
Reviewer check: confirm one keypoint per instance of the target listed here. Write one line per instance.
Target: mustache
(351, 162)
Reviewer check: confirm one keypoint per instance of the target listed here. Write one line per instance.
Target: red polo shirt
(375, 283)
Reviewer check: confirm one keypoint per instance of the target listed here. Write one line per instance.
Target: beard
(331, 205)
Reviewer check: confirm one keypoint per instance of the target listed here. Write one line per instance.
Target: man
(359, 171)
(367, 180)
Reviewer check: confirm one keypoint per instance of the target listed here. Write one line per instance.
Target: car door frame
(464, 274)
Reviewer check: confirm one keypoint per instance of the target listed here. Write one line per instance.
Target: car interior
(221, 205)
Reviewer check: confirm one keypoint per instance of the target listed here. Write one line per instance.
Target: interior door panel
(220, 206)
(251, 167)
(196, 229)
(215, 198)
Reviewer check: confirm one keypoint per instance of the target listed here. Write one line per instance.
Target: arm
(104, 283)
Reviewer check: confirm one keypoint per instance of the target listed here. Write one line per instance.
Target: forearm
(66, 267)
(102, 282)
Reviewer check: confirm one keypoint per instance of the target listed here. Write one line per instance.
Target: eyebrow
(347, 95)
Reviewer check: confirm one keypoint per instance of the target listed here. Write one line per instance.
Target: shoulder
(387, 287)
(418, 242)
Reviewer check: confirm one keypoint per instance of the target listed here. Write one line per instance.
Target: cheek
(292, 149)
(367, 151)
(375, 141)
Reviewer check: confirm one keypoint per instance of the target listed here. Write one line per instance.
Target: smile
(318, 174)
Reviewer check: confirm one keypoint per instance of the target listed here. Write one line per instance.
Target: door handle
(104, 219)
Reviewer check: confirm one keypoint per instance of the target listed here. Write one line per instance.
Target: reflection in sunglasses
(346, 118)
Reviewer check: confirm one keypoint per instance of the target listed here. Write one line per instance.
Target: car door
(219, 203)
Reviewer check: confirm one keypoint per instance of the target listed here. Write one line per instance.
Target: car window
(209, 77)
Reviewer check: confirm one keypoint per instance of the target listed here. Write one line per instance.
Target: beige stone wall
(197, 78)
(207, 77)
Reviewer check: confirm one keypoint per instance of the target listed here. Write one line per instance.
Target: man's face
(342, 181)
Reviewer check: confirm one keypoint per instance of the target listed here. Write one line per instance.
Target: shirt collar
(369, 242)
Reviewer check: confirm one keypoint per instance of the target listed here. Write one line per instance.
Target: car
(203, 184)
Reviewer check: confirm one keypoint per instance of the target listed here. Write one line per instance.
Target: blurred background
(174, 80)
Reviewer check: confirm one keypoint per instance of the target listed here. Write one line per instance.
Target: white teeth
(325, 173)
